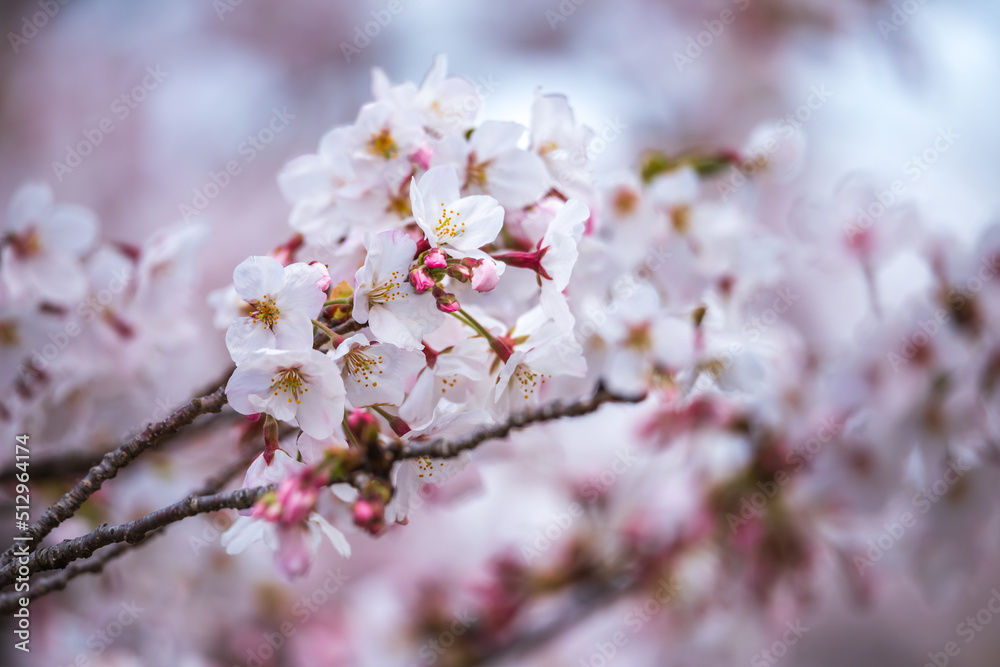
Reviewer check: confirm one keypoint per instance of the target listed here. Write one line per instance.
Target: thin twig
(96, 563)
(444, 449)
(112, 463)
(60, 465)
(67, 551)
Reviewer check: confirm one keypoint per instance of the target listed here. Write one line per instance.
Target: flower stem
(501, 349)
(335, 338)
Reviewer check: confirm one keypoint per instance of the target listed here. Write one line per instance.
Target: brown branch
(62, 465)
(443, 449)
(113, 462)
(67, 551)
(95, 565)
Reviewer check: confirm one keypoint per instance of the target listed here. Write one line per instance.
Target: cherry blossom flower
(450, 221)
(302, 387)
(493, 163)
(42, 245)
(282, 301)
(561, 143)
(384, 299)
(374, 374)
(409, 475)
(441, 102)
(546, 352)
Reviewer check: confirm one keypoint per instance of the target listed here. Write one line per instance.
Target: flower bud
(484, 276)
(436, 259)
(447, 303)
(421, 280)
(270, 438)
(422, 157)
(460, 272)
(324, 282)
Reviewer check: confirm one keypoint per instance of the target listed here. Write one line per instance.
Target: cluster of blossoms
(87, 327)
(803, 405)
(450, 275)
(434, 258)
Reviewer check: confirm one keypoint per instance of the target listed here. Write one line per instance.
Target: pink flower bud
(447, 303)
(436, 259)
(421, 280)
(296, 500)
(363, 513)
(422, 157)
(324, 282)
(484, 276)
(460, 272)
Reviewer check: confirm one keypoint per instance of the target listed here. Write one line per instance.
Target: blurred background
(189, 86)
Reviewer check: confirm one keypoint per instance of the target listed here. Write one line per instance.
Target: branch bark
(58, 581)
(113, 462)
(133, 532)
(443, 449)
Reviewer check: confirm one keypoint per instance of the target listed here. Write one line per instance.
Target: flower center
(448, 226)
(639, 337)
(388, 290)
(548, 147)
(475, 172)
(383, 145)
(364, 366)
(527, 380)
(400, 205)
(289, 381)
(9, 335)
(27, 244)
(265, 311)
(425, 466)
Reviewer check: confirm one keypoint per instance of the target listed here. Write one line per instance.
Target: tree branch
(95, 565)
(115, 461)
(64, 553)
(67, 551)
(62, 465)
(443, 449)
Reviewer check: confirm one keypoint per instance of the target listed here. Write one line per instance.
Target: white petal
(244, 532)
(336, 537)
(258, 276)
